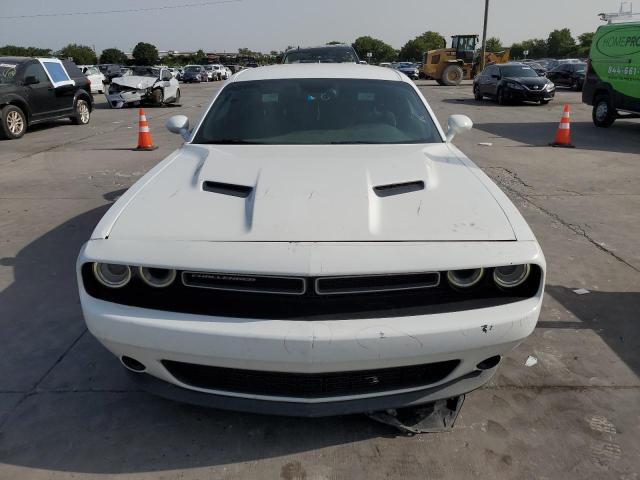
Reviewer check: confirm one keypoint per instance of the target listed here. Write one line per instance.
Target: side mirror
(179, 124)
(31, 80)
(458, 124)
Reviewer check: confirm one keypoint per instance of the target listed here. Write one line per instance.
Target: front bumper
(308, 347)
(529, 95)
(120, 99)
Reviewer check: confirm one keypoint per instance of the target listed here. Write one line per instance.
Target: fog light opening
(132, 364)
(489, 363)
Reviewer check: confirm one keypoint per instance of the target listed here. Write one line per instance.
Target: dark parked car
(513, 81)
(540, 70)
(36, 90)
(195, 73)
(569, 75)
(323, 54)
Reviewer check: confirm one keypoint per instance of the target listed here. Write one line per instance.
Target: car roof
(320, 70)
(335, 45)
(15, 59)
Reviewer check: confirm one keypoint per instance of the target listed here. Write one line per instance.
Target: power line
(131, 10)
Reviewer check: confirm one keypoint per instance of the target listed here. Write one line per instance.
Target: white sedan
(318, 246)
(95, 76)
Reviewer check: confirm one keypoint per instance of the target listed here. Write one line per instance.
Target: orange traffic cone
(563, 134)
(145, 142)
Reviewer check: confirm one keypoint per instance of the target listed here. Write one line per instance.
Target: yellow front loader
(449, 66)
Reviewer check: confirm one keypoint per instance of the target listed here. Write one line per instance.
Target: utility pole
(484, 34)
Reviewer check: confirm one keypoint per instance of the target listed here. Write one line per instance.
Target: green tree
(584, 42)
(14, 50)
(81, 54)
(537, 48)
(415, 49)
(145, 54)
(494, 45)
(113, 55)
(381, 51)
(560, 43)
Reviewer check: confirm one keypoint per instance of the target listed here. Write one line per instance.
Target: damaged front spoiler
(454, 388)
(120, 99)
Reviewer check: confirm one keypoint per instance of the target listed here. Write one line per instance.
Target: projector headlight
(465, 278)
(511, 276)
(112, 275)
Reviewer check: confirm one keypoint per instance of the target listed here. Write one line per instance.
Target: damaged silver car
(150, 85)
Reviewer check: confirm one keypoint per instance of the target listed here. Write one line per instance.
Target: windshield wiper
(233, 141)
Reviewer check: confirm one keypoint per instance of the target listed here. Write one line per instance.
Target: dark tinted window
(517, 71)
(36, 70)
(7, 72)
(321, 55)
(72, 69)
(317, 112)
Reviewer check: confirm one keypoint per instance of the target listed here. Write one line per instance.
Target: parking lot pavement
(67, 410)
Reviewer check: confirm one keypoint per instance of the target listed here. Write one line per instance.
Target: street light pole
(484, 34)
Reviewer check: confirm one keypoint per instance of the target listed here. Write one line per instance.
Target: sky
(265, 25)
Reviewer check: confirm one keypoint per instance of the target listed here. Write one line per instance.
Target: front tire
(157, 97)
(603, 112)
(82, 113)
(476, 93)
(452, 75)
(13, 122)
(501, 98)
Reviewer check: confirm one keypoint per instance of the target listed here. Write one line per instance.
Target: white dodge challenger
(317, 246)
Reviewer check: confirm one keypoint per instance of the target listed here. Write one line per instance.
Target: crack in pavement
(574, 228)
(34, 389)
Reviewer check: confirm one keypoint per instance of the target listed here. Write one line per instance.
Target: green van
(612, 81)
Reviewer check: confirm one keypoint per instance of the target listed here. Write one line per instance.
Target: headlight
(515, 86)
(551, 86)
(112, 275)
(157, 277)
(465, 278)
(511, 276)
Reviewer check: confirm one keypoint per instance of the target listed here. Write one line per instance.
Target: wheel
(476, 93)
(603, 112)
(14, 122)
(452, 75)
(82, 113)
(177, 99)
(577, 86)
(157, 97)
(501, 98)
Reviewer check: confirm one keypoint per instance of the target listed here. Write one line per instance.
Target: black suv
(324, 54)
(37, 90)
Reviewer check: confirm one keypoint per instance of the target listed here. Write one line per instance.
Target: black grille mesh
(317, 385)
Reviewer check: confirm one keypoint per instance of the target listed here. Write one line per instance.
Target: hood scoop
(398, 188)
(230, 189)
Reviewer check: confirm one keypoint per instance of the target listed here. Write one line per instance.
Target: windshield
(581, 67)
(192, 68)
(405, 65)
(518, 71)
(321, 55)
(317, 112)
(144, 72)
(7, 73)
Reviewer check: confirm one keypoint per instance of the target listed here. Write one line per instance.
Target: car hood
(311, 194)
(529, 81)
(135, 81)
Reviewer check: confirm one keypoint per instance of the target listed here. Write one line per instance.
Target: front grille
(221, 296)
(245, 283)
(376, 283)
(304, 385)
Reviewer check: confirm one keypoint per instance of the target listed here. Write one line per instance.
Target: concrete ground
(67, 410)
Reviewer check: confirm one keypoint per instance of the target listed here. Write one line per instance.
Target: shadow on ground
(612, 315)
(622, 137)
